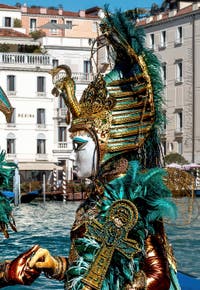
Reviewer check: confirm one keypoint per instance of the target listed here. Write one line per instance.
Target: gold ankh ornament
(123, 215)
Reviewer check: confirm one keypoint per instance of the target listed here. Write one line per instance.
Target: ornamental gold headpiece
(118, 108)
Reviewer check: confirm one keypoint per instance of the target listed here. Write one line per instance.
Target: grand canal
(49, 225)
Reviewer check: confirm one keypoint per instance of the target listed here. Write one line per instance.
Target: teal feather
(6, 173)
(162, 208)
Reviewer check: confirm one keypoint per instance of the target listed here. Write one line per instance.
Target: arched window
(10, 148)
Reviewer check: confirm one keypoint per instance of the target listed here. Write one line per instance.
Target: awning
(38, 166)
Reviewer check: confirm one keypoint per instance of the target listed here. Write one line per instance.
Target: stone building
(174, 36)
(37, 137)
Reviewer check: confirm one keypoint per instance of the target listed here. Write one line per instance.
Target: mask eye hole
(79, 144)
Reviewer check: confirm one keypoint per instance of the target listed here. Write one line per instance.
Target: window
(179, 71)
(163, 39)
(68, 24)
(13, 117)
(11, 143)
(164, 73)
(55, 62)
(7, 21)
(87, 66)
(62, 134)
(41, 116)
(164, 126)
(179, 35)
(61, 103)
(94, 27)
(152, 41)
(179, 121)
(54, 30)
(41, 146)
(164, 147)
(180, 147)
(41, 84)
(11, 83)
(32, 24)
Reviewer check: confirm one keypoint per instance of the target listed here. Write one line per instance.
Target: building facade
(37, 137)
(174, 36)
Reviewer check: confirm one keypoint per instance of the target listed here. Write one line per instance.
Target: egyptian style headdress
(121, 110)
(118, 237)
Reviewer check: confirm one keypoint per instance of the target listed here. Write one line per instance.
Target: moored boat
(188, 282)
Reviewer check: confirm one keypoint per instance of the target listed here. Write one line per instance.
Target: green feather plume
(6, 173)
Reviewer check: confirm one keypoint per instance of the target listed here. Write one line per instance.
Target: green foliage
(4, 47)
(30, 186)
(37, 34)
(17, 22)
(76, 186)
(175, 158)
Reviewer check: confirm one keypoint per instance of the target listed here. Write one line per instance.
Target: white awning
(38, 166)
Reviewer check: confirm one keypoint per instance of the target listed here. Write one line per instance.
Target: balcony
(62, 145)
(61, 113)
(83, 77)
(63, 148)
(32, 59)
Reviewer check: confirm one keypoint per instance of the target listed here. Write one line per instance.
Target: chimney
(159, 16)
(149, 19)
(43, 10)
(81, 13)
(172, 13)
(24, 8)
(60, 11)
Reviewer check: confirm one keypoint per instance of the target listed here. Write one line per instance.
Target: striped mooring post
(54, 180)
(64, 186)
(197, 178)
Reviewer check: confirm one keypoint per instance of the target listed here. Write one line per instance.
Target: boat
(9, 194)
(197, 192)
(188, 282)
(29, 196)
(24, 197)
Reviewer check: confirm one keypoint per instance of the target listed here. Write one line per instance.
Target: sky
(76, 5)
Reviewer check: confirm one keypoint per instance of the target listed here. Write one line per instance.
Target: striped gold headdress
(118, 109)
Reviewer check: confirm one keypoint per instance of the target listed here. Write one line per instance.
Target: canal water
(49, 226)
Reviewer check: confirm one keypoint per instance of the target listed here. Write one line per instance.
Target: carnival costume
(16, 271)
(118, 239)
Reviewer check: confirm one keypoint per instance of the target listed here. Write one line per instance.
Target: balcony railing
(25, 58)
(87, 77)
(61, 112)
(62, 145)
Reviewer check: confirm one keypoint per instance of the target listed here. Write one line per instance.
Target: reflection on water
(49, 226)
